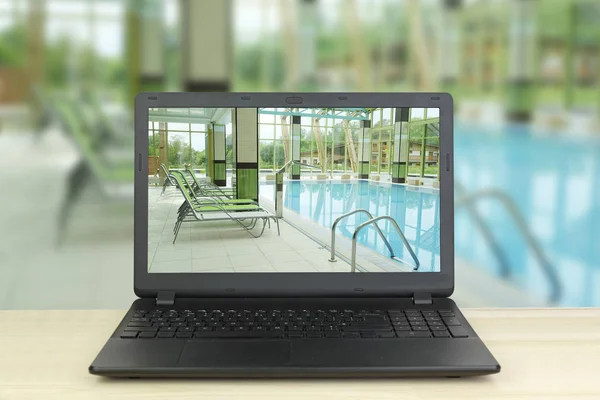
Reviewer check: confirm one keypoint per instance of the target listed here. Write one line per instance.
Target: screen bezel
(401, 284)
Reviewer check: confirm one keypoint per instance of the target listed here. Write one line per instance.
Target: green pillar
(569, 99)
(145, 47)
(307, 45)
(364, 149)
(400, 162)
(233, 150)
(219, 167)
(295, 145)
(450, 45)
(246, 163)
(423, 148)
(520, 92)
(206, 45)
(209, 149)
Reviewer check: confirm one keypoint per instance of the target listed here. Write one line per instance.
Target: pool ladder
(364, 224)
(469, 200)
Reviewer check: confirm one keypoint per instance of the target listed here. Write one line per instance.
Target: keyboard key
(386, 335)
(420, 328)
(351, 335)
(146, 335)
(367, 329)
(421, 334)
(451, 322)
(441, 334)
(332, 335)
(437, 328)
(402, 328)
(129, 335)
(313, 334)
(296, 334)
(166, 335)
(138, 324)
(434, 323)
(184, 335)
(418, 323)
(142, 329)
(458, 331)
(368, 335)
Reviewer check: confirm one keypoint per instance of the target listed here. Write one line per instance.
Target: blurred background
(525, 76)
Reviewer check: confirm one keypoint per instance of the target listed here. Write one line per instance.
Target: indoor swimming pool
(553, 183)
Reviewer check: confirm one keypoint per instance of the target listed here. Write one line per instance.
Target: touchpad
(235, 353)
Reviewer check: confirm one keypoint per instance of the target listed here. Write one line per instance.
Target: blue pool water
(415, 211)
(554, 182)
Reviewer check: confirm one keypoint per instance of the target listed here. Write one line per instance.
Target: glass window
(278, 131)
(198, 127)
(178, 126)
(198, 151)
(266, 118)
(178, 149)
(266, 153)
(266, 131)
(387, 117)
(417, 113)
(306, 121)
(377, 117)
(433, 112)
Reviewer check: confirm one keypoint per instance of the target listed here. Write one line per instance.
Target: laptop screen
(247, 190)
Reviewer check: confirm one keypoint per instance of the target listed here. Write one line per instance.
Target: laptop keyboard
(292, 324)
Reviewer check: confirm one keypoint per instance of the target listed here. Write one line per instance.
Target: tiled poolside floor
(225, 247)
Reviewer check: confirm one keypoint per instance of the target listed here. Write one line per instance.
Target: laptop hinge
(165, 298)
(422, 298)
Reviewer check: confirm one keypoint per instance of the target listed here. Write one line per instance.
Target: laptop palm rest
(235, 353)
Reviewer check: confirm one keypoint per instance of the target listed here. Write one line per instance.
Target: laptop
(235, 198)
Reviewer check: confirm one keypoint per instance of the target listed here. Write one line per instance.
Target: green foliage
(13, 45)
(176, 146)
(270, 151)
(260, 65)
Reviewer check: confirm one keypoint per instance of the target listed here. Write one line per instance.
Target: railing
(547, 267)
(279, 185)
(486, 233)
(361, 210)
(374, 221)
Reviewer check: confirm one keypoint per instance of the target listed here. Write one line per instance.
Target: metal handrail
(287, 164)
(525, 231)
(332, 259)
(487, 235)
(374, 221)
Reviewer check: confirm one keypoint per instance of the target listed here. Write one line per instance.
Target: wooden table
(544, 353)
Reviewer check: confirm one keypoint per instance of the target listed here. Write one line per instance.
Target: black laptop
(235, 198)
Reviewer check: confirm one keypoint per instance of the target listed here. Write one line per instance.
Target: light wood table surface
(544, 354)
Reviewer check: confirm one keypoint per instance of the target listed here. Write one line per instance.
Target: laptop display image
(293, 235)
(344, 164)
